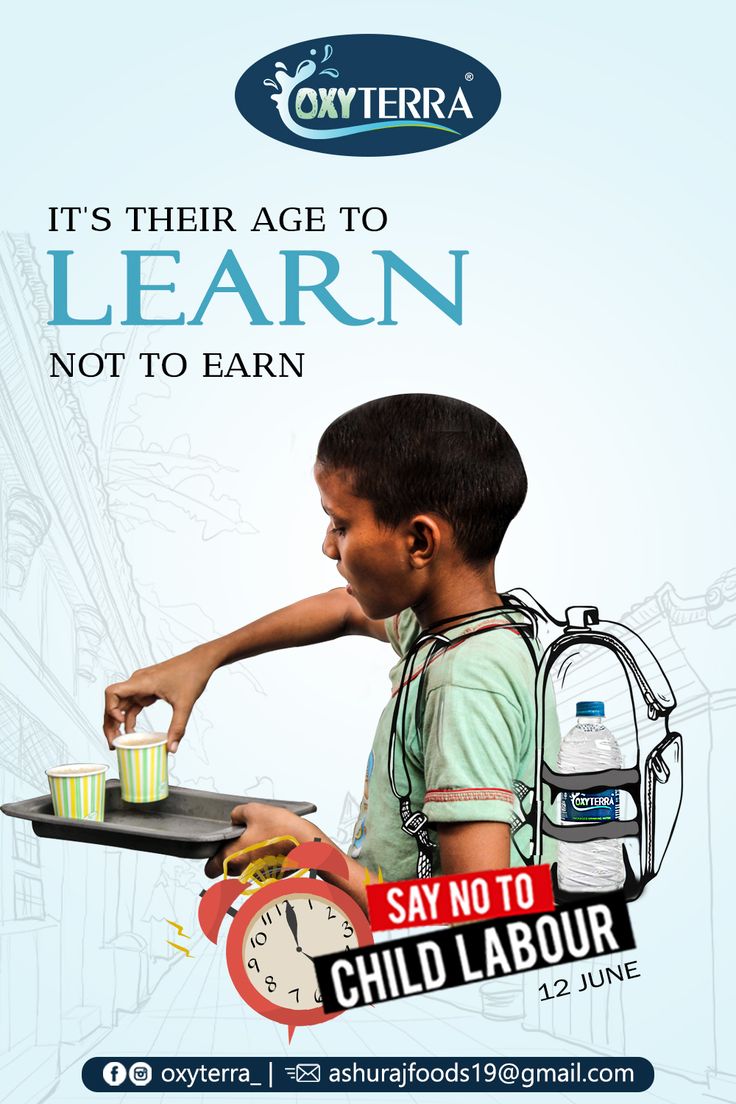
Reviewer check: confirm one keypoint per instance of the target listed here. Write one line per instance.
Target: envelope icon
(308, 1071)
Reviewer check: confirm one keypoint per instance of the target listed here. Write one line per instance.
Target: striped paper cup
(143, 766)
(78, 790)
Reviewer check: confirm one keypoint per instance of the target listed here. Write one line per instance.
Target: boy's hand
(261, 822)
(268, 821)
(178, 681)
(181, 680)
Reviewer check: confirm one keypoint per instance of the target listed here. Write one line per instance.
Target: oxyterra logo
(368, 95)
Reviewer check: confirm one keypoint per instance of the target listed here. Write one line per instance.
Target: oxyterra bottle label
(597, 806)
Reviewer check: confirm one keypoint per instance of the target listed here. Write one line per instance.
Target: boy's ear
(424, 538)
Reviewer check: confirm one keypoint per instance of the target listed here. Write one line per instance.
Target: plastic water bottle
(596, 866)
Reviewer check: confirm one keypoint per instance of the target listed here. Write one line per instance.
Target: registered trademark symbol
(469, 76)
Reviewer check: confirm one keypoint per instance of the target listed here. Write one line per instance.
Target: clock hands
(291, 920)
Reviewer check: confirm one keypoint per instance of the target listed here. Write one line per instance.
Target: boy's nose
(329, 545)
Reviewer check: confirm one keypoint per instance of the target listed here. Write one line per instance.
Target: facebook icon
(114, 1073)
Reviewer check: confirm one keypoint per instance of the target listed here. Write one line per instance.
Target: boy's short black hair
(411, 454)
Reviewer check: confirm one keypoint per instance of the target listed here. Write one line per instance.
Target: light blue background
(598, 210)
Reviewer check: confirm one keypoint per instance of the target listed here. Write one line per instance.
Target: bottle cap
(590, 709)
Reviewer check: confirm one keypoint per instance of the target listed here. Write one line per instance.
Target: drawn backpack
(579, 657)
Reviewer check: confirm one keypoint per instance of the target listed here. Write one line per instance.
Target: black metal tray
(190, 824)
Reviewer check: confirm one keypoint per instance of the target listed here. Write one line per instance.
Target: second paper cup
(143, 766)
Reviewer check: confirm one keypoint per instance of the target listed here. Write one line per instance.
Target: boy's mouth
(348, 587)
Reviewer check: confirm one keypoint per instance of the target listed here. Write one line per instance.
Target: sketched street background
(139, 517)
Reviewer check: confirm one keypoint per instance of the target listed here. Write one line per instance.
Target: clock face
(284, 936)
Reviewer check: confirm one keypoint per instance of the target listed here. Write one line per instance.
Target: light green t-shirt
(472, 759)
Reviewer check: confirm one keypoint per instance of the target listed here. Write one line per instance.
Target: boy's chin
(376, 611)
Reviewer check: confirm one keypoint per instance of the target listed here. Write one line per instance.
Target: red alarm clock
(279, 931)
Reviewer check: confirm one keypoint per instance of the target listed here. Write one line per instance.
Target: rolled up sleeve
(472, 749)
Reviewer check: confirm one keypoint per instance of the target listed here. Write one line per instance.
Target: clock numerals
(273, 954)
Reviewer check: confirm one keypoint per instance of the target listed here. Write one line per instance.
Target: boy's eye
(338, 529)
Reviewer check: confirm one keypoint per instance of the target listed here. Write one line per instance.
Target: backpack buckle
(414, 824)
(581, 617)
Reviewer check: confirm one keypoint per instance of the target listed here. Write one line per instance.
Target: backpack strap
(414, 822)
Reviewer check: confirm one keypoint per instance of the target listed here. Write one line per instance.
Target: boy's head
(408, 455)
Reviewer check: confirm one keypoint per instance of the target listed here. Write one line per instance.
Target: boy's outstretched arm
(181, 680)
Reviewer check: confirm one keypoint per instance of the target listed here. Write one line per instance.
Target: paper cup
(143, 766)
(78, 790)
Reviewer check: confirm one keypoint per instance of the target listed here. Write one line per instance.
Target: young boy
(419, 491)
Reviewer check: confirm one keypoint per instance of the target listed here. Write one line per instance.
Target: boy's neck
(463, 591)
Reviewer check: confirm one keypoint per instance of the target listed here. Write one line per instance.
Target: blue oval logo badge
(368, 95)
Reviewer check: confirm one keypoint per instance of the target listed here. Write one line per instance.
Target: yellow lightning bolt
(179, 930)
(185, 950)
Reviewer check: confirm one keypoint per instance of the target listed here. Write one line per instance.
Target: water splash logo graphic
(390, 95)
(286, 84)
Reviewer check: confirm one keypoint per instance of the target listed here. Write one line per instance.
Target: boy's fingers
(119, 690)
(213, 867)
(114, 713)
(111, 723)
(111, 728)
(130, 708)
(131, 715)
(178, 726)
(239, 815)
(112, 702)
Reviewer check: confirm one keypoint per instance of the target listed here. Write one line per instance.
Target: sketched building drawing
(683, 920)
(70, 620)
